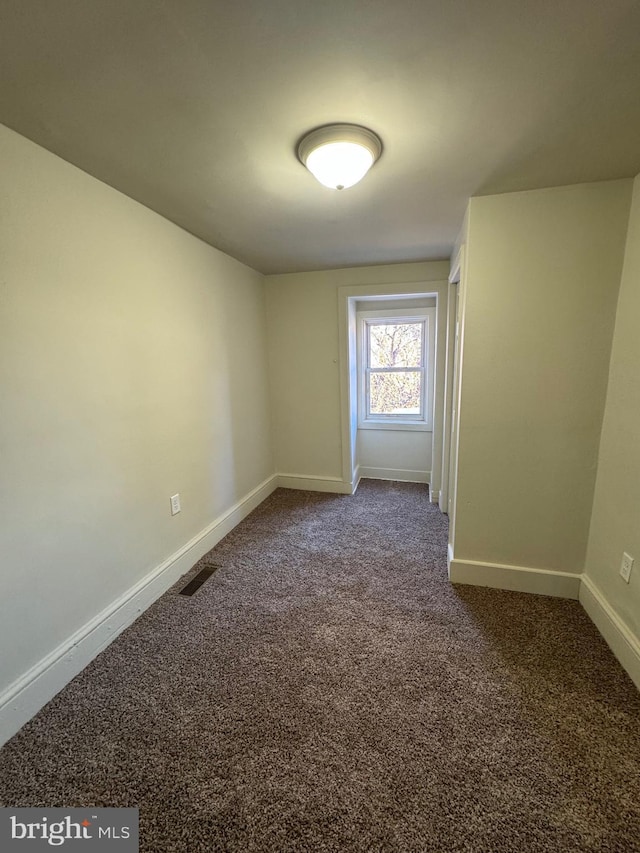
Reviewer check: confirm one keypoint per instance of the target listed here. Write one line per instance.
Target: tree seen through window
(395, 368)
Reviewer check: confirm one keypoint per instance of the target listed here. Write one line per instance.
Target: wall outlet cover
(175, 504)
(625, 568)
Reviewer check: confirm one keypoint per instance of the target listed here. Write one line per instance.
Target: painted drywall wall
(132, 367)
(615, 525)
(382, 452)
(395, 304)
(543, 270)
(304, 359)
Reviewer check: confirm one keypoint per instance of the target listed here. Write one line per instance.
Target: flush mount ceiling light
(339, 155)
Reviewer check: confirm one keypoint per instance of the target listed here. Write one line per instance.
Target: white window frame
(424, 421)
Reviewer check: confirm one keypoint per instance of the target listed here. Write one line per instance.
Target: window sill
(404, 426)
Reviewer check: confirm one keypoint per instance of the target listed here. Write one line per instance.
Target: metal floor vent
(196, 582)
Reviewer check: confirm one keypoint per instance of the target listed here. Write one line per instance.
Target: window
(396, 369)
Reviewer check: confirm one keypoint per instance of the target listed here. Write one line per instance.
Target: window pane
(395, 344)
(395, 393)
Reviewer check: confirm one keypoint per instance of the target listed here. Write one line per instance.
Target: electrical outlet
(625, 568)
(175, 504)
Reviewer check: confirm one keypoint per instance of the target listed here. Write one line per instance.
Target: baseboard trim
(516, 578)
(22, 699)
(434, 497)
(621, 640)
(624, 644)
(313, 483)
(400, 474)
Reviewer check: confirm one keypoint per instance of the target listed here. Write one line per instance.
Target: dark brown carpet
(328, 690)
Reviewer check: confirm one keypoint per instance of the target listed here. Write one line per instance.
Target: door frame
(458, 278)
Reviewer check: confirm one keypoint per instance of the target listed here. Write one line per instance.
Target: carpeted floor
(328, 690)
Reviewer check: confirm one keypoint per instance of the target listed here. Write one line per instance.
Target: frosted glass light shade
(340, 155)
(339, 165)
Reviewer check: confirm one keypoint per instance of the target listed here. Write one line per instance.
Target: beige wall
(394, 450)
(302, 316)
(133, 366)
(543, 269)
(615, 525)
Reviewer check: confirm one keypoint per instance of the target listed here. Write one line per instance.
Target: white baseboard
(517, 578)
(29, 693)
(357, 476)
(399, 474)
(619, 637)
(434, 497)
(624, 644)
(312, 483)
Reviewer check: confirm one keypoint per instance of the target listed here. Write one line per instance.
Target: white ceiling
(194, 108)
